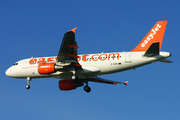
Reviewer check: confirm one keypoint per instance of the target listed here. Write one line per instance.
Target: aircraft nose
(7, 72)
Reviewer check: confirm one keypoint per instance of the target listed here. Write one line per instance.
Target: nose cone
(7, 72)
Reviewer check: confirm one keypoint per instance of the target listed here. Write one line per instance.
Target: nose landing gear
(28, 82)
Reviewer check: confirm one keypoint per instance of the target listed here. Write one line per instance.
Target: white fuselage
(92, 64)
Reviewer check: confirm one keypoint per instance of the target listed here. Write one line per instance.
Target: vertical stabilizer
(156, 34)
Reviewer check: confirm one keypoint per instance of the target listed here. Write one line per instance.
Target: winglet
(156, 34)
(126, 83)
(74, 30)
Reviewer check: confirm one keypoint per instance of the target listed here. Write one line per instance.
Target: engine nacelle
(46, 68)
(69, 84)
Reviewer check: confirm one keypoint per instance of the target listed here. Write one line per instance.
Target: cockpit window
(15, 63)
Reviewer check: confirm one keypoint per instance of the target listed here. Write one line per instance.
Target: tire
(27, 86)
(87, 89)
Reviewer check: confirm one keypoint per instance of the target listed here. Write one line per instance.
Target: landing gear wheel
(27, 86)
(87, 89)
(28, 82)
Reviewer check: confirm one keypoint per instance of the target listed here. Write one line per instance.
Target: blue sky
(36, 28)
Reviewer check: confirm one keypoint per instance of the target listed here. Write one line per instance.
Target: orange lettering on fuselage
(101, 57)
(41, 60)
(33, 61)
(51, 59)
(93, 58)
(84, 58)
(113, 56)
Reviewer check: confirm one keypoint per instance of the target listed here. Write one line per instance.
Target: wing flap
(101, 80)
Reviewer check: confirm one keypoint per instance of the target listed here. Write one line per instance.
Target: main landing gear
(87, 88)
(28, 82)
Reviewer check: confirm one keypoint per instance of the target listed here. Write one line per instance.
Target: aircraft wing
(101, 80)
(68, 48)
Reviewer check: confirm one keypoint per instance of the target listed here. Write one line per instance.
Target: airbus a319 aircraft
(75, 70)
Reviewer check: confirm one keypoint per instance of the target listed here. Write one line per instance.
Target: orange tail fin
(156, 34)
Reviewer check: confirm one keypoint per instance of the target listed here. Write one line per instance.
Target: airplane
(75, 70)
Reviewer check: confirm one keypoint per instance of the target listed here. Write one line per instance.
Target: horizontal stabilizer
(153, 50)
(165, 60)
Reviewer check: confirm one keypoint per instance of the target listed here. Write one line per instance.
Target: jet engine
(46, 68)
(69, 84)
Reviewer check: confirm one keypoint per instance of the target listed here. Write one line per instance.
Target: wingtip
(74, 30)
(126, 83)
